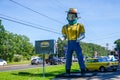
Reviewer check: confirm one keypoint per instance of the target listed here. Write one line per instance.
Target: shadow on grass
(57, 75)
(49, 75)
(33, 74)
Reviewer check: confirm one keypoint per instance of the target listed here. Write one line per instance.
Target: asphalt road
(18, 67)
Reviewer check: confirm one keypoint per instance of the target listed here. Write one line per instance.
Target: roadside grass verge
(17, 63)
(36, 73)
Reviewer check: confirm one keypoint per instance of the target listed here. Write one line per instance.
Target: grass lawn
(21, 62)
(36, 73)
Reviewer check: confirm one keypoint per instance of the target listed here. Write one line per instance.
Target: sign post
(44, 47)
(43, 65)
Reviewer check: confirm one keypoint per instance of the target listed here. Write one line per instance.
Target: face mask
(71, 16)
(71, 22)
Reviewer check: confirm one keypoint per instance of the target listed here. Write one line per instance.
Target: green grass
(21, 62)
(36, 73)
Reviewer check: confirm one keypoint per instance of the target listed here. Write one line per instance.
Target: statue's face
(71, 16)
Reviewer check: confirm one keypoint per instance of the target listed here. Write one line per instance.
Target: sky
(101, 19)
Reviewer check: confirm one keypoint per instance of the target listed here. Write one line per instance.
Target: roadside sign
(45, 46)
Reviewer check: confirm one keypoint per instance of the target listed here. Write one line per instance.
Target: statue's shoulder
(66, 26)
(79, 24)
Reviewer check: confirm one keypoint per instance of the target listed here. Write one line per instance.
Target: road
(17, 67)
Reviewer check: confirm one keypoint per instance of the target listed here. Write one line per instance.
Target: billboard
(45, 46)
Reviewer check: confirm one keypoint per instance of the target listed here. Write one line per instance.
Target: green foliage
(17, 58)
(89, 49)
(117, 42)
(12, 44)
(60, 45)
(117, 48)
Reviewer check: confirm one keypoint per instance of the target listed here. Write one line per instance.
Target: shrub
(17, 58)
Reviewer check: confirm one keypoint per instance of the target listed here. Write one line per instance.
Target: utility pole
(107, 46)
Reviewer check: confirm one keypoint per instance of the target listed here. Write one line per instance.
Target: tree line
(14, 47)
(117, 48)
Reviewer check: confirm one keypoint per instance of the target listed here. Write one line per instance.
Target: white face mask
(71, 16)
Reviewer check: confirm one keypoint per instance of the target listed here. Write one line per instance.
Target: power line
(23, 21)
(28, 25)
(36, 12)
(59, 4)
(59, 1)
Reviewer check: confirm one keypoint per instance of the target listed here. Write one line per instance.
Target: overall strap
(77, 30)
(67, 30)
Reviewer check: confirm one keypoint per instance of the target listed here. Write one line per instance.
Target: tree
(117, 48)
(3, 39)
(14, 44)
(61, 44)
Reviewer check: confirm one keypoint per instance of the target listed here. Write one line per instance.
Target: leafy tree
(14, 44)
(61, 45)
(3, 42)
(117, 48)
(90, 48)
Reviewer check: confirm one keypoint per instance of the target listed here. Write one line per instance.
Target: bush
(17, 58)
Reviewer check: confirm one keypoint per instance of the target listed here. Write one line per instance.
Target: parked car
(3, 62)
(74, 59)
(63, 59)
(53, 60)
(36, 61)
(112, 58)
(101, 64)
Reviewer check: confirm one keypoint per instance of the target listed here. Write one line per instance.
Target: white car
(111, 58)
(36, 61)
(3, 62)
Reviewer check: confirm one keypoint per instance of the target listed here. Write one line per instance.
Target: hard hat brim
(72, 12)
